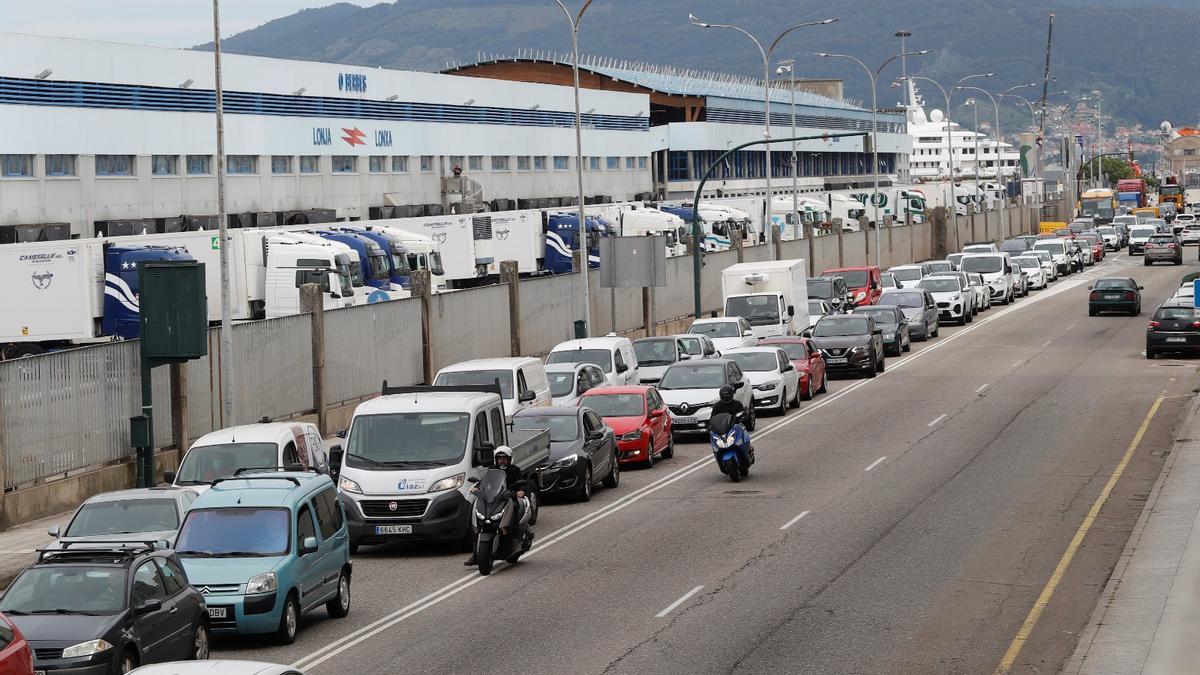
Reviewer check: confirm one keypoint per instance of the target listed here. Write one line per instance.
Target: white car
(907, 276)
(656, 354)
(569, 381)
(983, 299)
(1048, 265)
(775, 382)
(613, 354)
(817, 308)
(1186, 294)
(953, 301)
(267, 444)
(1190, 234)
(725, 332)
(1058, 251)
(980, 248)
(1112, 238)
(1138, 236)
(974, 301)
(690, 388)
(699, 346)
(1031, 265)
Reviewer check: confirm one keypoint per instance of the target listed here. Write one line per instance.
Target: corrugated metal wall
(470, 324)
(369, 344)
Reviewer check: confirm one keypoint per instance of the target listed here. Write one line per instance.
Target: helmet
(726, 393)
(503, 450)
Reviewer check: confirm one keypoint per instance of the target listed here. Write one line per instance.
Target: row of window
(201, 165)
(691, 165)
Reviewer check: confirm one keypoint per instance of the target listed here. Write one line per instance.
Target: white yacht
(929, 160)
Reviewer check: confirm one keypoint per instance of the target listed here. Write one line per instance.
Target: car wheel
(962, 320)
(129, 661)
(882, 363)
(936, 330)
(807, 392)
(824, 383)
(907, 343)
(200, 642)
(339, 606)
(795, 403)
(968, 317)
(289, 621)
(873, 370)
(1149, 352)
(613, 479)
(783, 403)
(585, 488)
(1091, 311)
(669, 451)
(751, 418)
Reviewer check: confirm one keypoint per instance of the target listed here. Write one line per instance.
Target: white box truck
(771, 295)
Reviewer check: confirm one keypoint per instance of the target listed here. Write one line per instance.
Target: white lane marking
(1018, 364)
(671, 607)
(981, 388)
(937, 419)
(876, 463)
(795, 520)
(1045, 344)
(348, 641)
(1071, 326)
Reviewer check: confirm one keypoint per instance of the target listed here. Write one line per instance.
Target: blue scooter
(731, 446)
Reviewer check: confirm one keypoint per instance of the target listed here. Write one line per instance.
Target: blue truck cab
(376, 269)
(395, 252)
(562, 239)
(121, 285)
(264, 547)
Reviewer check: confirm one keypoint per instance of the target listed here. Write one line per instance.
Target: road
(902, 524)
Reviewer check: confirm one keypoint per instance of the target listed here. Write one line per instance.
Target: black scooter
(496, 524)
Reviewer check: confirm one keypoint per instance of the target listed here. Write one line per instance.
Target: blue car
(264, 547)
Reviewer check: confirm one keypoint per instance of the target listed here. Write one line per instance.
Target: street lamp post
(1037, 169)
(999, 177)
(573, 20)
(874, 77)
(975, 108)
(790, 66)
(226, 347)
(766, 53)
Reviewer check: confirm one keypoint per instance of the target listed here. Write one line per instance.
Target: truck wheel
(21, 351)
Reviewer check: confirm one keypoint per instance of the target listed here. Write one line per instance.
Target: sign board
(633, 262)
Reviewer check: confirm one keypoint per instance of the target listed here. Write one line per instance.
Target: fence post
(865, 226)
(810, 234)
(837, 226)
(735, 240)
(180, 419)
(648, 311)
(510, 276)
(313, 304)
(421, 289)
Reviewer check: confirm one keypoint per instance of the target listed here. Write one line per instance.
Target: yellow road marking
(1018, 642)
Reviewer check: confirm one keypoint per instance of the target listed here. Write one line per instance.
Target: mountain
(1121, 47)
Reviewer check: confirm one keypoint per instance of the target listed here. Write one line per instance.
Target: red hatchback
(808, 362)
(16, 658)
(639, 419)
(862, 282)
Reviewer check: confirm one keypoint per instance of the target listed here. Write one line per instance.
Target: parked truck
(422, 251)
(1171, 191)
(1131, 192)
(399, 272)
(373, 262)
(772, 296)
(562, 240)
(71, 292)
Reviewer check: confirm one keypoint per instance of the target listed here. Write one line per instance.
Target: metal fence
(272, 376)
(368, 344)
(470, 324)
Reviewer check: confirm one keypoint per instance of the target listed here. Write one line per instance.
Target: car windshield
(940, 266)
(205, 463)
(693, 376)
(986, 264)
(1049, 247)
(906, 273)
(840, 326)
(1141, 231)
(235, 532)
(561, 383)
(853, 278)
(415, 439)
(599, 357)
(815, 307)
(562, 427)
(716, 329)
(880, 314)
(655, 351)
(1176, 313)
(616, 405)
(888, 281)
(820, 288)
(67, 590)
(1111, 284)
(939, 285)
(1162, 239)
(903, 299)
(1028, 263)
(477, 377)
(693, 345)
(1106, 230)
(127, 516)
(1041, 255)
(954, 258)
(759, 362)
(758, 310)
(795, 351)
(1013, 246)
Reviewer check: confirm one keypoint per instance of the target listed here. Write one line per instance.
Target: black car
(97, 607)
(1173, 329)
(849, 343)
(890, 319)
(1115, 294)
(583, 450)
(833, 289)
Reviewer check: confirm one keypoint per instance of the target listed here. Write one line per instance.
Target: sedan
(772, 376)
(144, 514)
(919, 308)
(896, 339)
(808, 362)
(583, 450)
(850, 343)
(640, 420)
(1163, 248)
(569, 381)
(1115, 294)
(1175, 329)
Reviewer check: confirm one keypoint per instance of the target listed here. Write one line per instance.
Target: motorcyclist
(502, 459)
(732, 407)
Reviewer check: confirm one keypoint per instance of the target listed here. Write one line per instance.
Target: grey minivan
(919, 308)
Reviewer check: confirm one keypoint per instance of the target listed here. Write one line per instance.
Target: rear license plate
(1113, 296)
(218, 612)
(393, 529)
(685, 420)
(837, 360)
(1176, 339)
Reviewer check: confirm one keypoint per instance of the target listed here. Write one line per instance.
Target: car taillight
(1170, 245)
(1196, 324)
(1153, 325)
(1128, 295)
(1093, 296)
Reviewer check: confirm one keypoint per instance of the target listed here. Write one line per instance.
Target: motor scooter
(731, 445)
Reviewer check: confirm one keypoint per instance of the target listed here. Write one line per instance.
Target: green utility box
(174, 311)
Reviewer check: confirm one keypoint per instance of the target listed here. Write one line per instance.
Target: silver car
(140, 514)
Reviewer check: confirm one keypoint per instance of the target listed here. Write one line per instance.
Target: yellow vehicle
(1147, 212)
(1049, 227)
(1170, 191)
(1100, 204)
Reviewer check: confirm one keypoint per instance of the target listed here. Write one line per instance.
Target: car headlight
(262, 583)
(88, 648)
(632, 436)
(451, 483)
(862, 295)
(347, 485)
(956, 298)
(766, 386)
(569, 460)
(889, 336)
(861, 349)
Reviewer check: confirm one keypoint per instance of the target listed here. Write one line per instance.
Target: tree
(1111, 168)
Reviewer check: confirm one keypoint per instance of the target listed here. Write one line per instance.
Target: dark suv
(850, 343)
(102, 607)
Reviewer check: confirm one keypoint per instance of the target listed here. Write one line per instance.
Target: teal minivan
(264, 547)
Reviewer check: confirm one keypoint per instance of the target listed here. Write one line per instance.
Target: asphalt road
(902, 524)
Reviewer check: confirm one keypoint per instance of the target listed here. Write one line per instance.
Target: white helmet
(502, 450)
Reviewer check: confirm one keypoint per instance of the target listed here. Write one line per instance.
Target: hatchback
(1115, 294)
(583, 450)
(640, 420)
(919, 308)
(1173, 328)
(808, 362)
(890, 318)
(773, 378)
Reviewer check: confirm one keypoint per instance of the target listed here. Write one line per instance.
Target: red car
(862, 282)
(16, 658)
(639, 419)
(808, 362)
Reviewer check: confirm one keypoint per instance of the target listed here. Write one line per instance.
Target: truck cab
(121, 317)
(399, 271)
(371, 258)
(562, 240)
(292, 260)
(772, 296)
(422, 251)
(404, 472)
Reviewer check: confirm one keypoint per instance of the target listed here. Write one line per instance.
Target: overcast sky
(163, 23)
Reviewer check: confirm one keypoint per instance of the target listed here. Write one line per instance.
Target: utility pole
(226, 369)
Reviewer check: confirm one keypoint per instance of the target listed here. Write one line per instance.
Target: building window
(641, 163)
(164, 165)
(281, 163)
(16, 165)
(310, 164)
(60, 165)
(1188, 152)
(678, 165)
(499, 163)
(456, 160)
(561, 163)
(114, 165)
(475, 163)
(378, 164)
(594, 163)
(345, 164)
(539, 163)
(242, 165)
(426, 163)
(199, 165)
(612, 163)
(399, 164)
(631, 162)
(522, 163)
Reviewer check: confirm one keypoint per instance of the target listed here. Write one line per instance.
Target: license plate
(685, 420)
(393, 529)
(1176, 339)
(218, 612)
(1113, 296)
(837, 360)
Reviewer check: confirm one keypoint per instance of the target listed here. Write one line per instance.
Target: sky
(162, 23)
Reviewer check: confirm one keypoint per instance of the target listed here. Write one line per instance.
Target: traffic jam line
(795, 520)
(684, 598)
(876, 463)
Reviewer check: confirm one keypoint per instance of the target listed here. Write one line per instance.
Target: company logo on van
(410, 485)
(42, 279)
(439, 237)
(502, 234)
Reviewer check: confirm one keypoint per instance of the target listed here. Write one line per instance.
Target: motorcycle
(501, 534)
(731, 445)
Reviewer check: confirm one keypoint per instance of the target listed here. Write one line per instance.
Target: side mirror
(1091, 288)
(169, 477)
(595, 435)
(748, 333)
(684, 356)
(53, 532)
(335, 460)
(806, 334)
(473, 479)
(791, 311)
(1141, 288)
(789, 368)
(341, 433)
(622, 367)
(149, 606)
(526, 396)
(739, 385)
(658, 413)
(877, 331)
(309, 545)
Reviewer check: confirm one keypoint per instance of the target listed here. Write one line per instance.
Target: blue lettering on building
(383, 139)
(352, 82)
(321, 136)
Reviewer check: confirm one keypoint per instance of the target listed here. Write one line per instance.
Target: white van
(265, 445)
(523, 382)
(613, 354)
